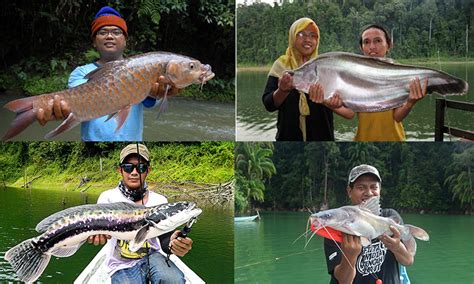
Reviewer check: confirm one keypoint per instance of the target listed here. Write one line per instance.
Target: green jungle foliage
(434, 177)
(262, 29)
(43, 41)
(61, 164)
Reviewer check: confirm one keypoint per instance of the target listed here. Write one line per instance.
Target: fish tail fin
(418, 233)
(27, 260)
(448, 86)
(24, 116)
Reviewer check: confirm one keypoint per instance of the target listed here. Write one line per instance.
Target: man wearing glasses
(147, 263)
(109, 37)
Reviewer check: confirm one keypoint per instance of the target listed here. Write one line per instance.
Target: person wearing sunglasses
(109, 35)
(146, 264)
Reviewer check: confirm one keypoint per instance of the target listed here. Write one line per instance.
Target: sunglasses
(128, 168)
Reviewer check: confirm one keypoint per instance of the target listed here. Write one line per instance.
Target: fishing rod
(143, 203)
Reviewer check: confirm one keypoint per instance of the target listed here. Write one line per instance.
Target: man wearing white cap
(146, 264)
(380, 260)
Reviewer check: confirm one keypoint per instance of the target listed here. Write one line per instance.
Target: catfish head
(335, 218)
(186, 72)
(305, 75)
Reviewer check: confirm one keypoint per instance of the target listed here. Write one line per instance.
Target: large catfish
(63, 233)
(363, 220)
(112, 90)
(370, 84)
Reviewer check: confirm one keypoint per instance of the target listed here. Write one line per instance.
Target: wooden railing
(440, 128)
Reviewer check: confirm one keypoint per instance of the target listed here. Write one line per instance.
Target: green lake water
(254, 123)
(185, 120)
(20, 210)
(265, 253)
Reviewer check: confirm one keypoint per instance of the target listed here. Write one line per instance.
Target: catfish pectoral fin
(140, 238)
(66, 251)
(121, 116)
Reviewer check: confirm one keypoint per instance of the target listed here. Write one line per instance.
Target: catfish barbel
(370, 84)
(363, 220)
(64, 232)
(112, 89)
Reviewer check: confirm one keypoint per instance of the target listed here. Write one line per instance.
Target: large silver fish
(370, 84)
(364, 221)
(64, 232)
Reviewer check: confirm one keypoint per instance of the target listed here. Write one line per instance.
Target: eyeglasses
(306, 35)
(114, 33)
(128, 168)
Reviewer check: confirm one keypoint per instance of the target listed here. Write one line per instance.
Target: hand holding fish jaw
(57, 109)
(180, 246)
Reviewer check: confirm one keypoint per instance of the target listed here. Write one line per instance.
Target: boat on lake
(247, 218)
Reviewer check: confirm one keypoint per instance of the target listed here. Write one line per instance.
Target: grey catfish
(370, 84)
(363, 220)
(63, 233)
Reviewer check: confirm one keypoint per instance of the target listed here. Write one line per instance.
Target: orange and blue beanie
(108, 16)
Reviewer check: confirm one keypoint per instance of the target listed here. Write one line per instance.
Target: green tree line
(420, 28)
(43, 41)
(61, 163)
(434, 177)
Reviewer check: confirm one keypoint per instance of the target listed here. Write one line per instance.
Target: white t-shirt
(115, 255)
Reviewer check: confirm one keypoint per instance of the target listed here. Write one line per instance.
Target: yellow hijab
(292, 59)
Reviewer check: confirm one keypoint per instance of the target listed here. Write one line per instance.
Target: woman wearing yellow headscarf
(299, 119)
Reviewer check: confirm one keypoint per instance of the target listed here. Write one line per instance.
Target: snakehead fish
(370, 84)
(63, 233)
(112, 89)
(363, 220)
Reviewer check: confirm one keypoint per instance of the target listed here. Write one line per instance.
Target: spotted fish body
(63, 233)
(370, 84)
(364, 221)
(112, 90)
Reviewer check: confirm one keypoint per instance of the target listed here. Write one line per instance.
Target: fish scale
(112, 89)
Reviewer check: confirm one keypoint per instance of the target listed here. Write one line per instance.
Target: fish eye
(191, 66)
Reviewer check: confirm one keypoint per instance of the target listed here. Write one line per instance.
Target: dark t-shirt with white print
(374, 262)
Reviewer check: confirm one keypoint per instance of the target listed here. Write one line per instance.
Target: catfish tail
(24, 116)
(27, 260)
(446, 85)
(409, 234)
(418, 233)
